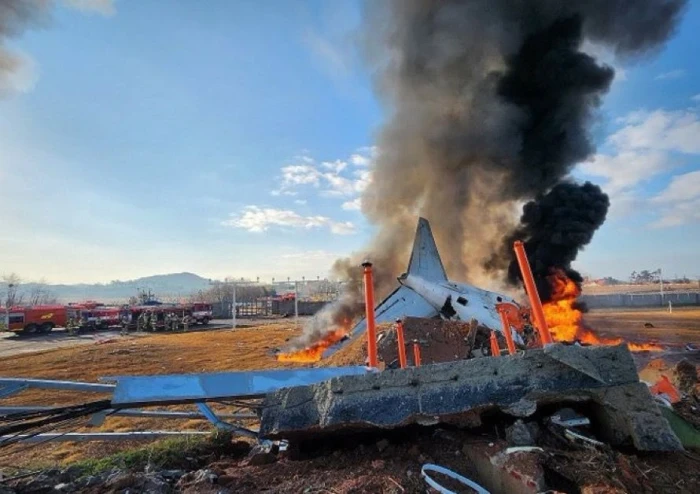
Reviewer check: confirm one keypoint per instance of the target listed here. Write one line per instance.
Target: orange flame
(565, 321)
(314, 352)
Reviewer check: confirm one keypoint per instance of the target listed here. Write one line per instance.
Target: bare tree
(12, 295)
(40, 295)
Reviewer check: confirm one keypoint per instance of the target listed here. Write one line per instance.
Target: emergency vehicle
(35, 319)
(201, 313)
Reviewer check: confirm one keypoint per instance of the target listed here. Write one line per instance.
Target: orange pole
(416, 354)
(495, 350)
(401, 343)
(532, 293)
(369, 311)
(506, 331)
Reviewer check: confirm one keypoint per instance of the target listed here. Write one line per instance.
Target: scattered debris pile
(439, 341)
(390, 462)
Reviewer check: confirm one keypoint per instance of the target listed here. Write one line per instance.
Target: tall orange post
(401, 343)
(506, 331)
(416, 354)
(369, 315)
(495, 349)
(532, 293)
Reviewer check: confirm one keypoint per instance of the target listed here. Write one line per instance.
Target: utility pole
(661, 286)
(296, 304)
(233, 306)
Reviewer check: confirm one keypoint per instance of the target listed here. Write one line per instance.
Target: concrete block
(458, 392)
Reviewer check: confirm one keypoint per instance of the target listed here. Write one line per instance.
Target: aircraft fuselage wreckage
(425, 291)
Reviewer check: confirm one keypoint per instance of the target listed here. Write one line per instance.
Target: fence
(265, 308)
(614, 300)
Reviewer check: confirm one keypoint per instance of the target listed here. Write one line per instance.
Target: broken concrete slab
(458, 392)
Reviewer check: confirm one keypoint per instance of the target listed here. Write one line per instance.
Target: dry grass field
(650, 288)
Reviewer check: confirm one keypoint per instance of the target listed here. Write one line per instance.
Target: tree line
(14, 292)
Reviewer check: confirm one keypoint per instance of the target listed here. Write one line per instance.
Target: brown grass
(675, 329)
(650, 288)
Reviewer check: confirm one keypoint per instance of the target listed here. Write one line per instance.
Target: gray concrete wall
(305, 308)
(612, 300)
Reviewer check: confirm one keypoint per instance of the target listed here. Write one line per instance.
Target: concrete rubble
(602, 379)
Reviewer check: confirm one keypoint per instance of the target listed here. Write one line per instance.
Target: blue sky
(235, 140)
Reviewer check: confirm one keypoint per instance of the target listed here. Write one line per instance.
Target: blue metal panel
(50, 384)
(199, 387)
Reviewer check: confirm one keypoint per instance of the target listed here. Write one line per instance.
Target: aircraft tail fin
(425, 258)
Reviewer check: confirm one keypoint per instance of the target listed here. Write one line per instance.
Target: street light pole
(296, 304)
(233, 307)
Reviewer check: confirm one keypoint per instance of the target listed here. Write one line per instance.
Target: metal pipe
(532, 293)
(401, 343)
(369, 312)
(495, 349)
(220, 424)
(506, 331)
(416, 354)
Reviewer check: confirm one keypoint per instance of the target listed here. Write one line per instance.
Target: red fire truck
(35, 319)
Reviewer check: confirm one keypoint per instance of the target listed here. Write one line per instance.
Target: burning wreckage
(536, 377)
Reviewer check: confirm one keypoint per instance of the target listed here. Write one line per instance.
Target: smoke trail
(16, 16)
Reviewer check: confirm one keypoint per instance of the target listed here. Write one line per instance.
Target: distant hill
(163, 286)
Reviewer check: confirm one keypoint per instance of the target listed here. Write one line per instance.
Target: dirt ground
(650, 288)
(241, 349)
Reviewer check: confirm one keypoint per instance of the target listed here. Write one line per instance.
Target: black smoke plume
(488, 105)
(555, 226)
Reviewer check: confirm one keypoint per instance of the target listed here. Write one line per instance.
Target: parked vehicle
(35, 319)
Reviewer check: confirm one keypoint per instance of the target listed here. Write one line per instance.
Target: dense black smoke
(554, 227)
(489, 105)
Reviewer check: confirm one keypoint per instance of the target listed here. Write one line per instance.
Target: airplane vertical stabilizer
(425, 258)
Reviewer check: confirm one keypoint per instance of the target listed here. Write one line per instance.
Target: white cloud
(627, 168)
(673, 74)
(300, 175)
(257, 219)
(334, 178)
(300, 201)
(643, 147)
(359, 160)
(696, 98)
(681, 188)
(336, 166)
(679, 201)
(354, 205)
(660, 130)
(648, 145)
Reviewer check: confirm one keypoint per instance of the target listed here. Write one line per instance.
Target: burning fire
(314, 352)
(565, 320)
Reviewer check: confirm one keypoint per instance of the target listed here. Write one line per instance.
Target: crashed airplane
(425, 291)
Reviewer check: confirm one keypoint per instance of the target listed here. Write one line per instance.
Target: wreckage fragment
(458, 392)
